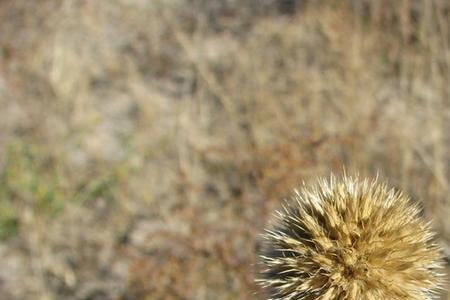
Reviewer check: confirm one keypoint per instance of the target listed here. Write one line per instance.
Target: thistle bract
(350, 239)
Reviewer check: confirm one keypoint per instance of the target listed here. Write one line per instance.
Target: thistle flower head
(350, 239)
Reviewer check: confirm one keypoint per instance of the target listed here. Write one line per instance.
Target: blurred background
(145, 144)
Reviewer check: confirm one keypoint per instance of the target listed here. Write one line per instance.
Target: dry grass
(145, 143)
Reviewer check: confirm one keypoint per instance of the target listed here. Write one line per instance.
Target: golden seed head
(350, 239)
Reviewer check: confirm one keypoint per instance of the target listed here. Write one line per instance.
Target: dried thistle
(350, 239)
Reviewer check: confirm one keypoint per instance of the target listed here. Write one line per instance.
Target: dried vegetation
(350, 239)
(144, 144)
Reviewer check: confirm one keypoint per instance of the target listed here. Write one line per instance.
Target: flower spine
(350, 239)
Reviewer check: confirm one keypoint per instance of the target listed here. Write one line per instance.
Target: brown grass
(144, 144)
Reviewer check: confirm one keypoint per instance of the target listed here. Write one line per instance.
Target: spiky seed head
(350, 239)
